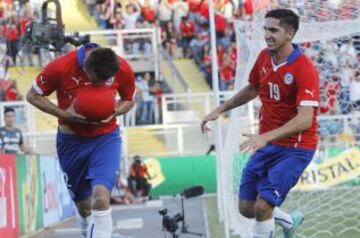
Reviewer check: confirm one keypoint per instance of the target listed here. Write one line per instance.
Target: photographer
(138, 179)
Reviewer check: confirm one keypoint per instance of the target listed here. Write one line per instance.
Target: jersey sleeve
(307, 82)
(254, 77)
(126, 79)
(49, 78)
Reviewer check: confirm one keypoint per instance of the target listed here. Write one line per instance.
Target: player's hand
(209, 117)
(253, 143)
(109, 119)
(70, 115)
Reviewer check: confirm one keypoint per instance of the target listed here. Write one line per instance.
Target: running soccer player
(288, 86)
(89, 151)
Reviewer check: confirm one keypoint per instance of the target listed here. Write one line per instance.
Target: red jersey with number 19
(282, 89)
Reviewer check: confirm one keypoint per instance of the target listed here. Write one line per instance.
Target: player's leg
(101, 225)
(265, 223)
(285, 169)
(254, 171)
(103, 169)
(84, 214)
(73, 160)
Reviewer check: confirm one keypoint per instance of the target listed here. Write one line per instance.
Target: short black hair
(9, 109)
(287, 17)
(103, 62)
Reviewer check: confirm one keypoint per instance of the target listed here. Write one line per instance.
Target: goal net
(328, 191)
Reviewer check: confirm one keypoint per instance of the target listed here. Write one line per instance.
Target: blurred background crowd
(183, 27)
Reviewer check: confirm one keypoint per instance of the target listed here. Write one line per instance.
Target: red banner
(9, 221)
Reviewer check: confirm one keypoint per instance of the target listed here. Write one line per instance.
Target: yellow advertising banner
(333, 171)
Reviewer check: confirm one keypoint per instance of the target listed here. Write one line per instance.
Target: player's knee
(263, 209)
(246, 210)
(101, 203)
(84, 211)
(101, 198)
(84, 207)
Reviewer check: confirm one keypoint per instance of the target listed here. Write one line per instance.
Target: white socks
(283, 218)
(264, 229)
(101, 225)
(83, 223)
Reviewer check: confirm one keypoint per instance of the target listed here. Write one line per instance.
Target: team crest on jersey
(110, 81)
(288, 78)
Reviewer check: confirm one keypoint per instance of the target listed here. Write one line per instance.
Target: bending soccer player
(288, 86)
(88, 144)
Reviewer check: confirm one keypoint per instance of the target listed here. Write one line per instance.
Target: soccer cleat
(298, 218)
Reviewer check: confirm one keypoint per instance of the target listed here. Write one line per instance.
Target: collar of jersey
(289, 60)
(80, 53)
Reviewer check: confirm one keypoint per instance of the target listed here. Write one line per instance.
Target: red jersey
(227, 73)
(11, 33)
(65, 76)
(187, 28)
(282, 88)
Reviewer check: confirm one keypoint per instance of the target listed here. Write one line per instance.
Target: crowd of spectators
(14, 16)
(184, 31)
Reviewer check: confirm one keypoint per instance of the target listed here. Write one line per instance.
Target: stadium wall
(33, 194)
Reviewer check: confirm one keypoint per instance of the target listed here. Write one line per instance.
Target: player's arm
(44, 104)
(301, 122)
(123, 107)
(45, 84)
(248, 93)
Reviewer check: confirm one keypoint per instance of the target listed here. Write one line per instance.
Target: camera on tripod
(49, 33)
(171, 223)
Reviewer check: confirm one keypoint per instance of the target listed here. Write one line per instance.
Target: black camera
(49, 33)
(170, 224)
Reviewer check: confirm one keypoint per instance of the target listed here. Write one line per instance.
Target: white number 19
(274, 91)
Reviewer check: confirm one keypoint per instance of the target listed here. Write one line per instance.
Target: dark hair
(9, 109)
(103, 62)
(286, 16)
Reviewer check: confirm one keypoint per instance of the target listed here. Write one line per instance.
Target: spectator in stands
(131, 14)
(157, 91)
(205, 66)
(355, 91)
(168, 38)
(118, 21)
(148, 12)
(164, 13)
(187, 29)
(146, 108)
(11, 138)
(138, 178)
(11, 92)
(12, 36)
(121, 193)
(180, 10)
(227, 73)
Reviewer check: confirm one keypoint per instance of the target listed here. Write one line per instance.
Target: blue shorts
(87, 162)
(272, 171)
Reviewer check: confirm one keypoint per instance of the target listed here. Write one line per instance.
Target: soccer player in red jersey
(288, 86)
(89, 150)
